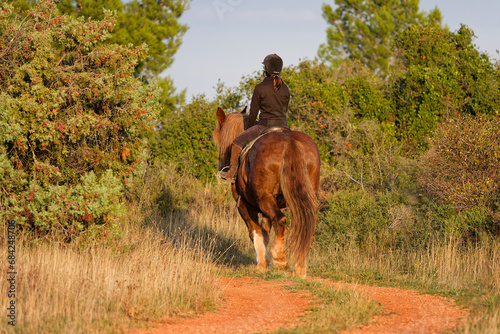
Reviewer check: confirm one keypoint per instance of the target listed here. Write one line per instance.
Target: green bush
(185, 139)
(443, 76)
(72, 119)
(327, 102)
(364, 218)
(331, 90)
(440, 221)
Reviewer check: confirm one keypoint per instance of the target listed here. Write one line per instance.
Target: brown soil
(408, 311)
(253, 305)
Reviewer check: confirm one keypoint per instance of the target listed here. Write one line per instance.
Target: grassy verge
(69, 289)
(469, 274)
(139, 273)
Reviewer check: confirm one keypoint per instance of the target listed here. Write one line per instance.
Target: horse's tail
(300, 197)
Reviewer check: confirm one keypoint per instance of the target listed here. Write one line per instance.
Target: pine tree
(363, 30)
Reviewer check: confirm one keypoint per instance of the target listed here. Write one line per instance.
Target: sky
(228, 39)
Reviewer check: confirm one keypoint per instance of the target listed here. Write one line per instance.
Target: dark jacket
(272, 105)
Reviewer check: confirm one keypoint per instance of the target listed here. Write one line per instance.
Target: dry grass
(204, 213)
(470, 274)
(160, 266)
(63, 289)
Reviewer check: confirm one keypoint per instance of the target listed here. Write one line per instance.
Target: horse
(280, 170)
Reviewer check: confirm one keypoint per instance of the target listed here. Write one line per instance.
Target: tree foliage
(329, 102)
(442, 76)
(72, 118)
(154, 23)
(363, 30)
(186, 138)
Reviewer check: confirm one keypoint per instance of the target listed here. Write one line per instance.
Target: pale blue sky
(228, 39)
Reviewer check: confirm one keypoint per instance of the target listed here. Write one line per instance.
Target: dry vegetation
(470, 274)
(63, 289)
(110, 284)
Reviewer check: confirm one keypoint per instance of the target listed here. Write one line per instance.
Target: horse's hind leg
(279, 256)
(259, 237)
(273, 213)
(266, 229)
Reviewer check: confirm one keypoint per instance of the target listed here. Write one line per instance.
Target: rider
(271, 98)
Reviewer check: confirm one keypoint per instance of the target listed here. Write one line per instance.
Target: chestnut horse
(281, 169)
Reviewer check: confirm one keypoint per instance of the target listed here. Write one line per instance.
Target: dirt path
(408, 311)
(247, 308)
(254, 305)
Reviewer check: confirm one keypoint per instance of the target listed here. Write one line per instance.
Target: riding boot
(230, 174)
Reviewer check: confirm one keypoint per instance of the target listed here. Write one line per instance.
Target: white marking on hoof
(260, 250)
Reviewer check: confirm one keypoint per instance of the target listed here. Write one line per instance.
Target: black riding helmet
(273, 64)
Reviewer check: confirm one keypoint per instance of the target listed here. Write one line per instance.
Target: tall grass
(183, 207)
(469, 273)
(89, 286)
(63, 289)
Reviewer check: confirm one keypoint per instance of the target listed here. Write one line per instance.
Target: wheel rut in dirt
(252, 305)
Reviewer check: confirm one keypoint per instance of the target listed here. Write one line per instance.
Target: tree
(363, 30)
(72, 118)
(443, 76)
(155, 23)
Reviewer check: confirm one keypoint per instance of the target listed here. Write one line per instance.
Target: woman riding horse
(271, 98)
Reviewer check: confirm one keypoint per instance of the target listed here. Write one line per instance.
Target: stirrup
(225, 169)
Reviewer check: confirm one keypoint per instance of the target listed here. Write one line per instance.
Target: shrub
(72, 118)
(443, 76)
(462, 168)
(357, 217)
(325, 100)
(185, 139)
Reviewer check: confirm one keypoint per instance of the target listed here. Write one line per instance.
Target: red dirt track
(256, 306)
(408, 311)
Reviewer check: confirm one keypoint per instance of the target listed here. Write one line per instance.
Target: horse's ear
(221, 115)
(244, 110)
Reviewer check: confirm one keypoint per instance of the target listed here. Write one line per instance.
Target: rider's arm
(254, 108)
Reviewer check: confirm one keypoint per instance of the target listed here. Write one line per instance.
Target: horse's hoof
(262, 267)
(300, 271)
(283, 265)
